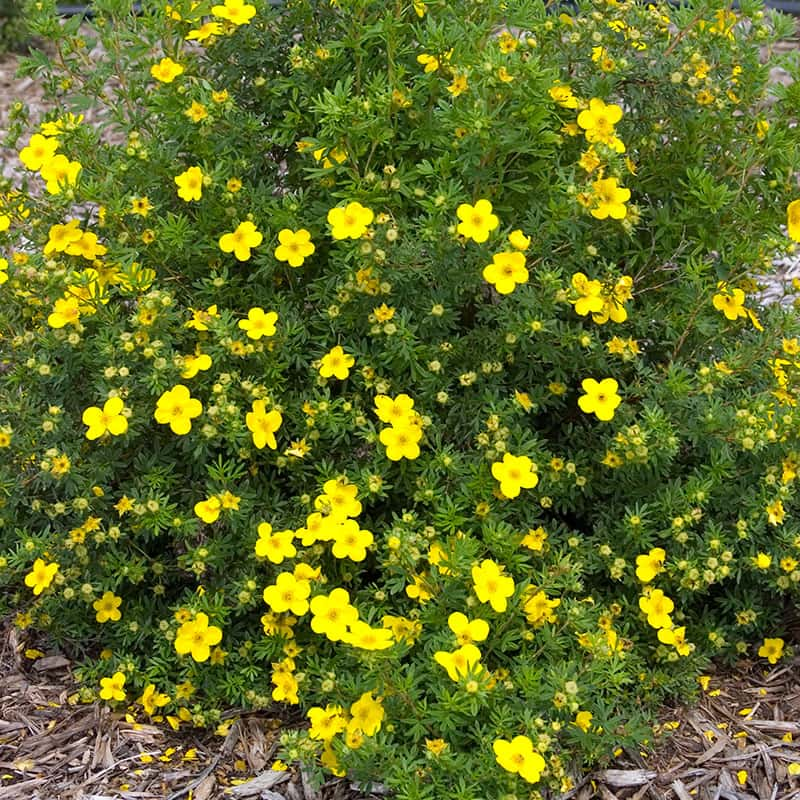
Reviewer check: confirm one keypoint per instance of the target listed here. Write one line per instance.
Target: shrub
(404, 362)
(12, 25)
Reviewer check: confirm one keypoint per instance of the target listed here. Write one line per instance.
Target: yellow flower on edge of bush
(196, 637)
(113, 688)
(792, 219)
(177, 408)
(772, 650)
(41, 575)
(39, 150)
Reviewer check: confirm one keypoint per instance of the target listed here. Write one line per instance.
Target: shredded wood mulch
(741, 741)
(51, 749)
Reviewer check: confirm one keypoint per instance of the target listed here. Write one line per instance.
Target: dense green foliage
(407, 311)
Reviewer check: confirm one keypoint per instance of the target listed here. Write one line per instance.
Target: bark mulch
(740, 741)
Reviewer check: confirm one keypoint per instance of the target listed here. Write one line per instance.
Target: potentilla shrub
(12, 25)
(403, 363)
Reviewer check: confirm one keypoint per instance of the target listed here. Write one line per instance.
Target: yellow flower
(326, 722)
(295, 246)
(601, 398)
(775, 513)
(205, 31)
(459, 85)
(467, 631)
(166, 70)
(107, 608)
(367, 714)
(518, 240)
(151, 700)
(608, 199)
(365, 637)
(209, 509)
(109, 419)
(677, 638)
(259, 323)
(461, 662)
(534, 539)
(194, 364)
(657, 606)
(336, 363)
(288, 594)
(197, 637)
(196, 112)
(590, 299)
(583, 720)
(401, 441)
(59, 173)
(39, 151)
(491, 586)
(394, 411)
(793, 220)
(598, 123)
(477, 221)
(351, 541)
(332, 614)
(772, 650)
(538, 608)
(140, 206)
(263, 424)
(113, 688)
(350, 222)
(515, 473)
(762, 561)
(563, 96)
(730, 303)
(176, 408)
(190, 184)
(41, 575)
(241, 241)
(236, 12)
(518, 756)
(506, 271)
(275, 545)
(650, 565)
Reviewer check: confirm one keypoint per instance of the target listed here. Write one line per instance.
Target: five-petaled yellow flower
(197, 637)
(350, 222)
(109, 419)
(177, 408)
(477, 221)
(772, 650)
(506, 271)
(107, 608)
(259, 323)
(601, 398)
(294, 247)
(793, 220)
(236, 12)
(263, 424)
(166, 70)
(336, 363)
(518, 756)
(241, 241)
(515, 473)
(113, 688)
(190, 184)
(41, 575)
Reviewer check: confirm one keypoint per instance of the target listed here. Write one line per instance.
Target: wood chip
(266, 780)
(623, 778)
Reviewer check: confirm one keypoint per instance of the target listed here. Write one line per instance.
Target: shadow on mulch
(741, 741)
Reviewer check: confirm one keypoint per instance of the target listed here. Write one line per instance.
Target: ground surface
(741, 741)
